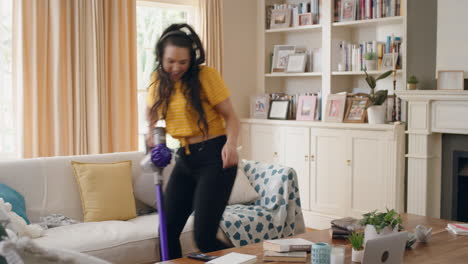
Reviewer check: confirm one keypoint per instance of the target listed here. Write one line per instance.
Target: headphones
(176, 30)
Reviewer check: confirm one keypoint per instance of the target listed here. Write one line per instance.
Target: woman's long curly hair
(174, 35)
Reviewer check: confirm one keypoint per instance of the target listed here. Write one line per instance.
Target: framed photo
(335, 108)
(259, 106)
(305, 19)
(280, 18)
(279, 109)
(280, 57)
(348, 10)
(356, 112)
(296, 62)
(387, 61)
(450, 80)
(306, 107)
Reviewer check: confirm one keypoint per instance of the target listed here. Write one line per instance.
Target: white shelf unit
(327, 36)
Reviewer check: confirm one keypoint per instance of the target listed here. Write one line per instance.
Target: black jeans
(198, 182)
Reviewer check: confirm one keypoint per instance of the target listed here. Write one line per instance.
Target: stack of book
(286, 250)
(458, 229)
(343, 227)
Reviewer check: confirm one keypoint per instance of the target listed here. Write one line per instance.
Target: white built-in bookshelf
(327, 36)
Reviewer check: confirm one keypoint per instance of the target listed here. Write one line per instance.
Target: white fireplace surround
(430, 114)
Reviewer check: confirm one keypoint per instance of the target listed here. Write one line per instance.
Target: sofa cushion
(18, 205)
(106, 190)
(132, 241)
(242, 191)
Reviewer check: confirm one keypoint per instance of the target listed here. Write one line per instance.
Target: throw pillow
(106, 190)
(143, 185)
(242, 191)
(13, 197)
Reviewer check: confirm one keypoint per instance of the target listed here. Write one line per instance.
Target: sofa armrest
(278, 189)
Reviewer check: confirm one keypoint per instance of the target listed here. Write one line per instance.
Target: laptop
(388, 249)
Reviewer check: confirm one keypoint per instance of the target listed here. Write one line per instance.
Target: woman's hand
(229, 155)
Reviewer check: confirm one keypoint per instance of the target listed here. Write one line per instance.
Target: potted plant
(376, 110)
(411, 83)
(380, 223)
(370, 60)
(357, 243)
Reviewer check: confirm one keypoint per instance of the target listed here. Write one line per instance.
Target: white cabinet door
(328, 172)
(296, 156)
(265, 142)
(368, 167)
(244, 142)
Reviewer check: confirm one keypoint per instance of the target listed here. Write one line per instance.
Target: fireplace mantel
(430, 113)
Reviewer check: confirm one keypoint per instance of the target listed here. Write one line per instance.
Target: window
(152, 18)
(9, 118)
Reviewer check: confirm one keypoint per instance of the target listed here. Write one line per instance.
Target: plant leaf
(371, 81)
(384, 75)
(380, 97)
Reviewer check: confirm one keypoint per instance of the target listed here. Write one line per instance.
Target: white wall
(239, 51)
(452, 35)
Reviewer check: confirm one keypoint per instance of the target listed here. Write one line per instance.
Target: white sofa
(49, 187)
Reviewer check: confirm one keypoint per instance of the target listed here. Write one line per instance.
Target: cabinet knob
(275, 154)
(306, 158)
(348, 162)
(312, 157)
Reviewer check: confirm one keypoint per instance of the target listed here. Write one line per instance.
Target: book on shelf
(235, 258)
(295, 256)
(370, 9)
(458, 229)
(287, 245)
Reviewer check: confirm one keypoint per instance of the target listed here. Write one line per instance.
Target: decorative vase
(356, 255)
(320, 253)
(371, 233)
(411, 86)
(423, 233)
(376, 114)
(371, 65)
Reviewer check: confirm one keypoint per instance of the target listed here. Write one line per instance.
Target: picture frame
(356, 111)
(335, 108)
(306, 107)
(279, 109)
(387, 61)
(281, 56)
(305, 19)
(296, 62)
(280, 18)
(259, 105)
(348, 10)
(450, 80)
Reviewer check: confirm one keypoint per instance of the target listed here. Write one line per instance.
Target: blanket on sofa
(272, 215)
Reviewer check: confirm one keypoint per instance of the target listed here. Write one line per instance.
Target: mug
(320, 253)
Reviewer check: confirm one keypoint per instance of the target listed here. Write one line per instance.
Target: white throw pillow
(242, 192)
(143, 185)
(144, 190)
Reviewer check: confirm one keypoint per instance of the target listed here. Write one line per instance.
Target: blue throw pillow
(15, 199)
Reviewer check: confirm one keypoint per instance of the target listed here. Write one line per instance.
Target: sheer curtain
(77, 68)
(211, 32)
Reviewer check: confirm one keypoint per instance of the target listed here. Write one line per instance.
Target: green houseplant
(376, 109)
(412, 82)
(357, 243)
(381, 223)
(370, 61)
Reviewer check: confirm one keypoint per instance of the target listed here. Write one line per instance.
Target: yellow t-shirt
(181, 119)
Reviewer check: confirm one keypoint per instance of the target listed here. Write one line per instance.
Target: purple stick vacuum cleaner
(155, 161)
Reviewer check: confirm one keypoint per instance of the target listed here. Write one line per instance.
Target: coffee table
(443, 247)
